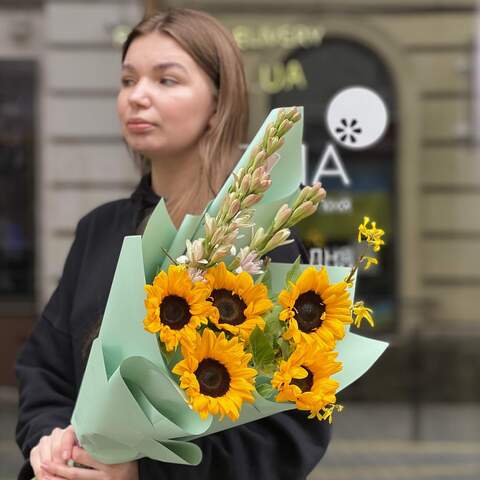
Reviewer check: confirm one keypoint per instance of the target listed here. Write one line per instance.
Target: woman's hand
(56, 447)
(97, 471)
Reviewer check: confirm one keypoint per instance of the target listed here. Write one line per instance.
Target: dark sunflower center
(174, 312)
(310, 308)
(304, 384)
(213, 377)
(230, 306)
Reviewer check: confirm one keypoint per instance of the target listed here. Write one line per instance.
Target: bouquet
(228, 337)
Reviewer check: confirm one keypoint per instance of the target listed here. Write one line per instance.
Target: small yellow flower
(176, 307)
(304, 378)
(369, 261)
(238, 302)
(372, 235)
(215, 375)
(327, 412)
(315, 310)
(361, 311)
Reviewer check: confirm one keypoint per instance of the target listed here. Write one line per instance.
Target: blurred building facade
(426, 49)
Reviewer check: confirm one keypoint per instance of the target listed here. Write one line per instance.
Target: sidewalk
(383, 460)
(393, 442)
(370, 442)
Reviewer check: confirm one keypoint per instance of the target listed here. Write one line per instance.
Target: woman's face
(166, 100)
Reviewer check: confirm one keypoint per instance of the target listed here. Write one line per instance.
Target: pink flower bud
(234, 208)
(245, 185)
(220, 253)
(251, 200)
(318, 193)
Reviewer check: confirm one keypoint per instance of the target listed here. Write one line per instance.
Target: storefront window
(17, 87)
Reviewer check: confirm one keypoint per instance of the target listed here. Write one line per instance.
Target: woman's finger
(44, 448)
(56, 445)
(35, 462)
(81, 456)
(68, 441)
(44, 475)
(70, 473)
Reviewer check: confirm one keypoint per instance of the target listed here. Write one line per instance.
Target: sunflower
(304, 378)
(239, 302)
(176, 307)
(316, 311)
(216, 376)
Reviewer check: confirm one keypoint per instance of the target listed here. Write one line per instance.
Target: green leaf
(264, 387)
(266, 391)
(262, 351)
(293, 273)
(273, 327)
(285, 347)
(171, 358)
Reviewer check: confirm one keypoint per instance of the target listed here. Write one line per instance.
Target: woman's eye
(126, 82)
(168, 82)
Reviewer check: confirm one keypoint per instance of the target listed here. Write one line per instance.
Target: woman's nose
(139, 95)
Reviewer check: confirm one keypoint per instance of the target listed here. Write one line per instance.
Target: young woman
(183, 111)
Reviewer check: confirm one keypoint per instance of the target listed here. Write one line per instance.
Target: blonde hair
(214, 50)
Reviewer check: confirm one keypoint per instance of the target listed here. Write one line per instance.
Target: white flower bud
(284, 127)
(258, 238)
(258, 160)
(218, 235)
(282, 216)
(294, 115)
(230, 237)
(280, 238)
(275, 145)
(272, 143)
(303, 211)
(182, 259)
(304, 195)
(197, 249)
(209, 225)
(244, 220)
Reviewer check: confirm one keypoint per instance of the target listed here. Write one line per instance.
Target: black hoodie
(52, 362)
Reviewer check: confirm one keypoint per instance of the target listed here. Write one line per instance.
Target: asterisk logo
(348, 130)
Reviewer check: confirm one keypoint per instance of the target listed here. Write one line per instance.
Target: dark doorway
(330, 234)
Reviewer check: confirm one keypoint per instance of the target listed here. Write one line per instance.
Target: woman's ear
(213, 121)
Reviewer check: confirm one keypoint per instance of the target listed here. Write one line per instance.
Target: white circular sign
(357, 118)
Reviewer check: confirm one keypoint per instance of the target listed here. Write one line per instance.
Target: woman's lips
(140, 126)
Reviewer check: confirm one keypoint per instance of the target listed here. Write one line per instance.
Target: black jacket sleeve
(45, 372)
(283, 446)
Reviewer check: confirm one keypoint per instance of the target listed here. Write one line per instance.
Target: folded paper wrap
(129, 405)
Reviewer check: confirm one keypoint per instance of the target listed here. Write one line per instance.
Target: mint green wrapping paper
(129, 405)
